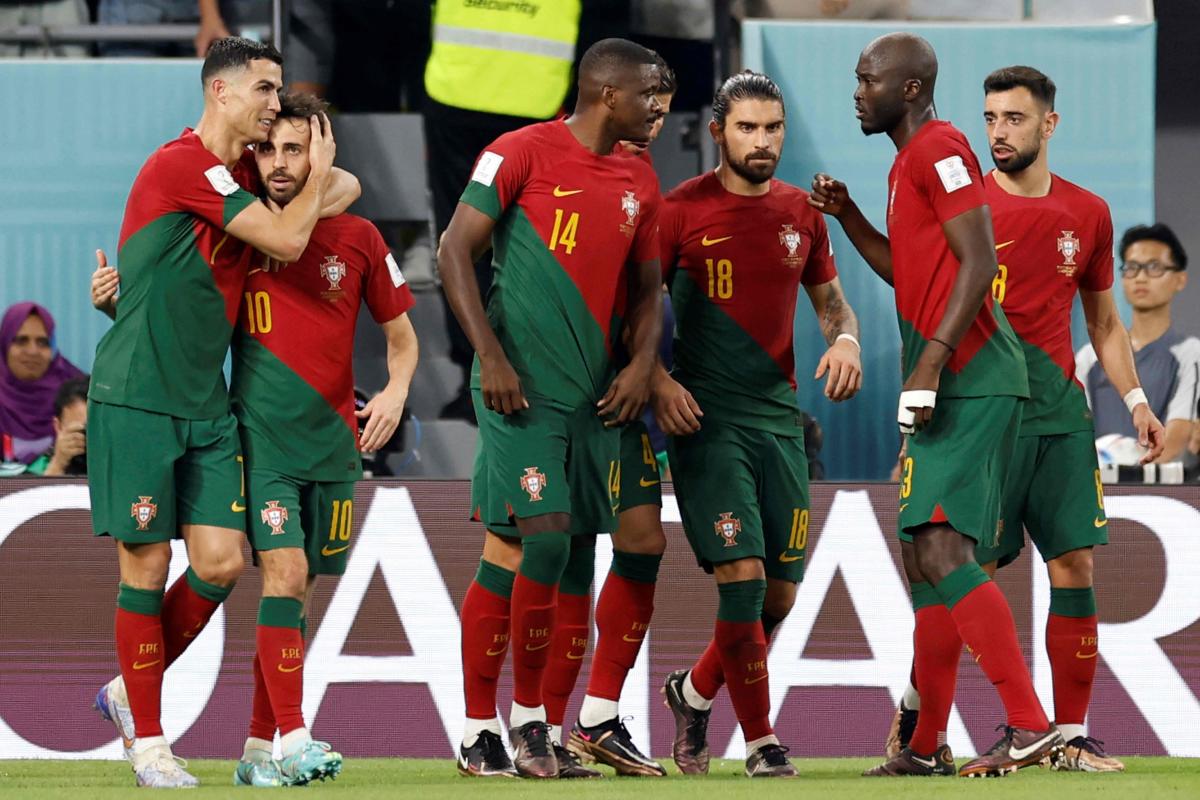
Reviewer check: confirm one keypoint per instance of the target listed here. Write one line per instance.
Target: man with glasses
(1168, 363)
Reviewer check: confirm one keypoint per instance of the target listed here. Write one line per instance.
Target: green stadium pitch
(426, 779)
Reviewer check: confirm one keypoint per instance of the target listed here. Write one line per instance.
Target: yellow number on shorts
(258, 312)
(614, 480)
(999, 284)
(1099, 491)
(341, 520)
(242, 471)
(720, 278)
(568, 232)
(906, 478)
(648, 452)
(799, 538)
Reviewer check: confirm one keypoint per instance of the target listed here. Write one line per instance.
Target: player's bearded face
(282, 160)
(1016, 125)
(752, 139)
(636, 107)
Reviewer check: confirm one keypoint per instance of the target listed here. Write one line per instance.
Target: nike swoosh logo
(573, 657)
(1089, 655)
(192, 634)
(634, 641)
(1002, 245)
(646, 484)
(762, 677)
(325, 551)
(902, 507)
(236, 507)
(1019, 753)
(282, 668)
(136, 665)
(925, 763)
(561, 192)
(496, 652)
(1099, 523)
(786, 559)
(530, 648)
(707, 242)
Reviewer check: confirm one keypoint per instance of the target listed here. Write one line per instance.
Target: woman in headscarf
(31, 371)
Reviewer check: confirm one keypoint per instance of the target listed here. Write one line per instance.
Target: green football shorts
(1054, 492)
(314, 515)
(743, 493)
(545, 460)
(956, 467)
(639, 479)
(150, 473)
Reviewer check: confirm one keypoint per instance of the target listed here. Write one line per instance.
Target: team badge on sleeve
(790, 239)
(486, 167)
(274, 515)
(631, 206)
(143, 511)
(728, 527)
(953, 173)
(533, 482)
(221, 180)
(1068, 245)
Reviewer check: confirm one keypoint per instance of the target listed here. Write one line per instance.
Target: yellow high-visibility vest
(503, 56)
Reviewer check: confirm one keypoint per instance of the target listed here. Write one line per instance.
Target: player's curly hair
(300, 105)
(1036, 81)
(746, 85)
(235, 52)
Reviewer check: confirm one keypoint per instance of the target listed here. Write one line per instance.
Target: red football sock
(262, 718)
(533, 606)
(1071, 645)
(623, 614)
(743, 650)
(184, 615)
(484, 643)
(936, 649)
(567, 648)
(140, 648)
(986, 626)
(281, 656)
(707, 675)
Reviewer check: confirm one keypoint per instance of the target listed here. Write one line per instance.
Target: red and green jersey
(1048, 248)
(568, 223)
(293, 380)
(735, 266)
(181, 283)
(934, 178)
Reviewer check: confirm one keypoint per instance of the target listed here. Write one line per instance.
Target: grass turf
(433, 779)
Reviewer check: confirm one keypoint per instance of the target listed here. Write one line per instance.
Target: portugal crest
(631, 206)
(274, 515)
(728, 527)
(790, 239)
(333, 271)
(1068, 245)
(533, 482)
(143, 511)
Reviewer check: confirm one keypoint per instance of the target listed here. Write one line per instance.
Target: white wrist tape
(914, 398)
(851, 337)
(1134, 398)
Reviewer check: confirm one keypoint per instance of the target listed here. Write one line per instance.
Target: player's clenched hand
(501, 386)
(918, 396)
(828, 195)
(1151, 433)
(845, 370)
(321, 147)
(382, 413)
(105, 282)
(675, 410)
(628, 394)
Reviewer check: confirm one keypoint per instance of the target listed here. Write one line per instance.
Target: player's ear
(715, 131)
(608, 96)
(1049, 124)
(912, 89)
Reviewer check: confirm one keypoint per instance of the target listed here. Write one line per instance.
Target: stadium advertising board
(383, 672)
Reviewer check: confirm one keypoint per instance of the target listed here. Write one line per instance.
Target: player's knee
(544, 556)
(743, 569)
(220, 570)
(285, 573)
(647, 540)
(780, 598)
(1073, 569)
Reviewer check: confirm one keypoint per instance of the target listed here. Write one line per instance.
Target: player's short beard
(744, 171)
(283, 199)
(1020, 160)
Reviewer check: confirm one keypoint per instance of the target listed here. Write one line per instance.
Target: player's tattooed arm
(105, 282)
(630, 390)
(1114, 351)
(466, 239)
(832, 197)
(842, 360)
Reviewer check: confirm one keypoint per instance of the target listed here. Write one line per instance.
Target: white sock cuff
(253, 743)
(911, 699)
(1071, 731)
(473, 727)
(520, 715)
(692, 697)
(292, 741)
(556, 734)
(757, 743)
(596, 710)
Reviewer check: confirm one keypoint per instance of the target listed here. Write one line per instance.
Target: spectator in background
(491, 70)
(1168, 362)
(48, 13)
(216, 18)
(68, 454)
(30, 374)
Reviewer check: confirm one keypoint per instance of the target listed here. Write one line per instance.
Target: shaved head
(612, 62)
(907, 55)
(896, 74)
(619, 81)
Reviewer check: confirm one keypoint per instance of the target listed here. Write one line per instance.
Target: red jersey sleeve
(194, 180)
(645, 239)
(669, 231)
(385, 290)
(1098, 276)
(946, 172)
(499, 174)
(820, 267)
